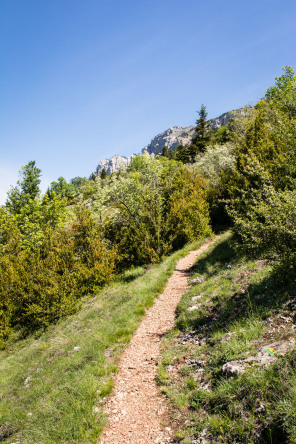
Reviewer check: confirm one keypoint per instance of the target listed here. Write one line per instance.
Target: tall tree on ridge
(201, 137)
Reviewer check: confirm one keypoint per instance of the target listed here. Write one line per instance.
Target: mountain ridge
(171, 138)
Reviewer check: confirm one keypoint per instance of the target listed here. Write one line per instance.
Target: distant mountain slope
(171, 138)
(114, 164)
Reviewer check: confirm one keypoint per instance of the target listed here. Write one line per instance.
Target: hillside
(228, 367)
(54, 385)
(80, 263)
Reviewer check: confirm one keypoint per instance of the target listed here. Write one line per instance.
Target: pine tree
(165, 151)
(201, 137)
(103, 174)
(181, 153)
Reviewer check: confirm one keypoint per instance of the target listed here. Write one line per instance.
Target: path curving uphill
(137, 413)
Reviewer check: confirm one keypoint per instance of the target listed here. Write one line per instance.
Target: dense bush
(52, 253)
(264, 218)
(159, 206)
(42, 284)
(149, 209)
(187, 214)
(262, 188)
(216, 165)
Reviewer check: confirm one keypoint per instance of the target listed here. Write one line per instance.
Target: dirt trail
(137, 413)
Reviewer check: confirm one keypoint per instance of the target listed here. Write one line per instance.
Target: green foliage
(221, 135)
(216, 165)
(33, 223)
(165, 151)
(264, 219)
(187, 209)
(137, 224)
(10, 238)
(27, 188)
(201, 137)
(181, 153)
(96, 261)
(52, 254)
(64, 189)
(46, 267)
(157, 206)
(103, 174)
(245, 306)
(199, 142)
(216, 160)
(40, 217)
(283, 93)
(71, 365)
(262, 188)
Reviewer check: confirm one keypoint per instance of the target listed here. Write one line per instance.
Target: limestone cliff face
(171, 138)
(116, 163)
(225, 118)
(176, 134)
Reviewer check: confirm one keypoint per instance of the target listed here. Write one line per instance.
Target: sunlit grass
(237, 297)
(52, 387)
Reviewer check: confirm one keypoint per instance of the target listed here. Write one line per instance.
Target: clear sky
(87, 79)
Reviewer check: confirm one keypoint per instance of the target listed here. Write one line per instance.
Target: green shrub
(39, 286)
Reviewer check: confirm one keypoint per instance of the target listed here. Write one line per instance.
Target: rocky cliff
(116, 163)
(170, 138)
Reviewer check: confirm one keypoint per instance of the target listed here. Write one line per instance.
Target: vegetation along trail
(136, 411)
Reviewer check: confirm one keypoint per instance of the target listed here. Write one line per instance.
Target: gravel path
(137, 413)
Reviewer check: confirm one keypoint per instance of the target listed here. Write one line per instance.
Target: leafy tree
(216, 160)
(35, 216)
(262, 188)
(264, 219)
(78, 181)
(136, 223)
(156, 206)
(10, 236)
(187, 216)
(62, 188)
(221, 135)
(216, 165)
(27, 188)
(284, 88)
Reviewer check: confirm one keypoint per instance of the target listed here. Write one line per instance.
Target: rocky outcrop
(171, 138)
(116, 163)
(221, 120)
(225, 118)
(266, 355)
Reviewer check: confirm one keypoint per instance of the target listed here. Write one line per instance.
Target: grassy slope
(52, 388)
(245, 306)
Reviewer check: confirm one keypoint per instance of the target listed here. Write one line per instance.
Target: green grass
(53, 385)
(242, 306)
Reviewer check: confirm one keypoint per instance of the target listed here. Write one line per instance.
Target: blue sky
(83, 80)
